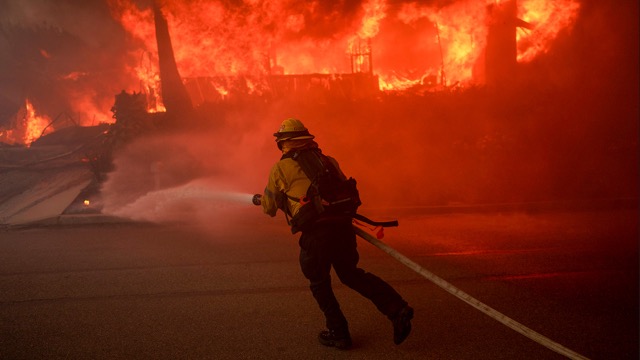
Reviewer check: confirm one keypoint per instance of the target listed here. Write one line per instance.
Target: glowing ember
(87, 203)
(45, 54)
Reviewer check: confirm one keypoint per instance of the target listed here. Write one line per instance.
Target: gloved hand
(257, 199)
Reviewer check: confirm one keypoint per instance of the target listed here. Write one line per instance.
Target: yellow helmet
(292, 129)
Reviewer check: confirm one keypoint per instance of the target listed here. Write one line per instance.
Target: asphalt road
(233, 290)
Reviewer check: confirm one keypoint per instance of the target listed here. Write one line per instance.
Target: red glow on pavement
(537, 276)
(488, 252)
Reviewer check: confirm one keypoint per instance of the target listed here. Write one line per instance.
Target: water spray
(201, 196)
(198, 192)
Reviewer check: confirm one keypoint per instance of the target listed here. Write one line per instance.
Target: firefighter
(325, 243)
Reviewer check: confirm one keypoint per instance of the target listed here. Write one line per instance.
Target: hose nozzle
(257, 199)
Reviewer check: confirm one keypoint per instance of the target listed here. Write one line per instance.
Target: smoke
(441, 149)
(74, 17)
(66, 57)
(188, 175)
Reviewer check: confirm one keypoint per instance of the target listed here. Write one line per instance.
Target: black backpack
(328, 196)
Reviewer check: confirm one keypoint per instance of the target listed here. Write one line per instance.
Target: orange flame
(374, 12)
(215, 39)
(549, 18)
(28, 127)
(139, 24)
(462, 30)
(34, 124)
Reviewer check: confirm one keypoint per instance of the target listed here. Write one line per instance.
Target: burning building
(366, 66)
(223, 51)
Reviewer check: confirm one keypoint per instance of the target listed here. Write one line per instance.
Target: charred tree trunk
(174, 94)
(500, 56)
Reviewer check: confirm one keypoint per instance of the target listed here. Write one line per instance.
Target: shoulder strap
(312, 162)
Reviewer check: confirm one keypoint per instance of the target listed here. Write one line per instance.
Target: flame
(218, 42)
(139, 24)
(35, 125)
(462, 31)
(394, 83)
(88, 105)
(374, 12)
(462, 38)
(250, 38)
(148, 74)
(549, 18)
(28, 126)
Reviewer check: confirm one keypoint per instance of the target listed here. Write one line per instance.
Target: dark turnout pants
(333, 243)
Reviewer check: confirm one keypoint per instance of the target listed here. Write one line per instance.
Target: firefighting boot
(402, 324)
(332, 338)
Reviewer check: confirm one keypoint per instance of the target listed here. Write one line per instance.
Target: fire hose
(440, 282)
(494, 314)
